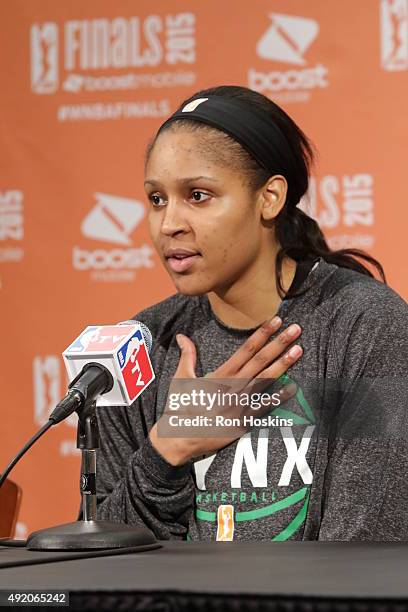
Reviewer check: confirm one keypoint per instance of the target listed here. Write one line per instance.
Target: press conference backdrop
(83, 88)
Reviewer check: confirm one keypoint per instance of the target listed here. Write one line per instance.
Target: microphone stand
(89, 533)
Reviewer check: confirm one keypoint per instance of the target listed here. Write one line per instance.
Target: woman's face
(201, 206)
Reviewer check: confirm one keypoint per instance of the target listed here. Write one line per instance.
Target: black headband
(252, 128)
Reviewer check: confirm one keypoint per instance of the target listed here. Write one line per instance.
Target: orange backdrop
(84, 86)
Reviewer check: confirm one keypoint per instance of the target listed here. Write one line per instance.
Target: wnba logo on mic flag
(135, 364)
(122, 350)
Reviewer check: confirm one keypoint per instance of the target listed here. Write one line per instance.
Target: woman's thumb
(179, 340)
(188, 357)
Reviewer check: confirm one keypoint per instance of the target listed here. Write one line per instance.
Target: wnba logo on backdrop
(11, 224)
(112, 44)
(44, 58)
(49, 386)
(112, 219)
(343, 205)
(394, 34)
(287, 41)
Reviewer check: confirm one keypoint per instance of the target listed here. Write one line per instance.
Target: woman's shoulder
(352, 294)
(367, 322)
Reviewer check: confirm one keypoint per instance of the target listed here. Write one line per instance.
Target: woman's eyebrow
(183, 180)
(197, 178)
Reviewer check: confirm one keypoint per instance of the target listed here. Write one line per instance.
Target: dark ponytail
(298, 235)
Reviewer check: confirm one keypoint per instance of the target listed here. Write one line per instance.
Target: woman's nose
(173, 221)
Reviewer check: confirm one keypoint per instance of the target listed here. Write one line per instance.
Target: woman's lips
(181, 265)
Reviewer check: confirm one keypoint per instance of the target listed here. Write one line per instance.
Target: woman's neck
(254, 299)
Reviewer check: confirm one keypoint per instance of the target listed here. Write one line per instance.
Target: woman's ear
(273, 197)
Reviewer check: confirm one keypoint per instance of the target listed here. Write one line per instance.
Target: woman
(254, 278)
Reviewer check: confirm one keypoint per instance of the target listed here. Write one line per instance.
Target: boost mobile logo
(286, 40)
(394, 34)
(44, 58)
(112, 219)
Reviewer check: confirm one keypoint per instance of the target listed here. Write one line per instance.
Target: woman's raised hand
(256, 359)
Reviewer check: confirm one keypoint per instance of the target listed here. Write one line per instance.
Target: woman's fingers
(248, 349)
(282, 364)
(271, 352)
(188, 358)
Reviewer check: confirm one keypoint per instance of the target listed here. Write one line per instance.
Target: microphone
(109, 363)
(147, 336)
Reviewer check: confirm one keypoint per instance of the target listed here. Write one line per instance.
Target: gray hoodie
(339, 473)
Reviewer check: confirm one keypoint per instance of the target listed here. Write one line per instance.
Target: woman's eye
(156, 200)
(199, 196)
